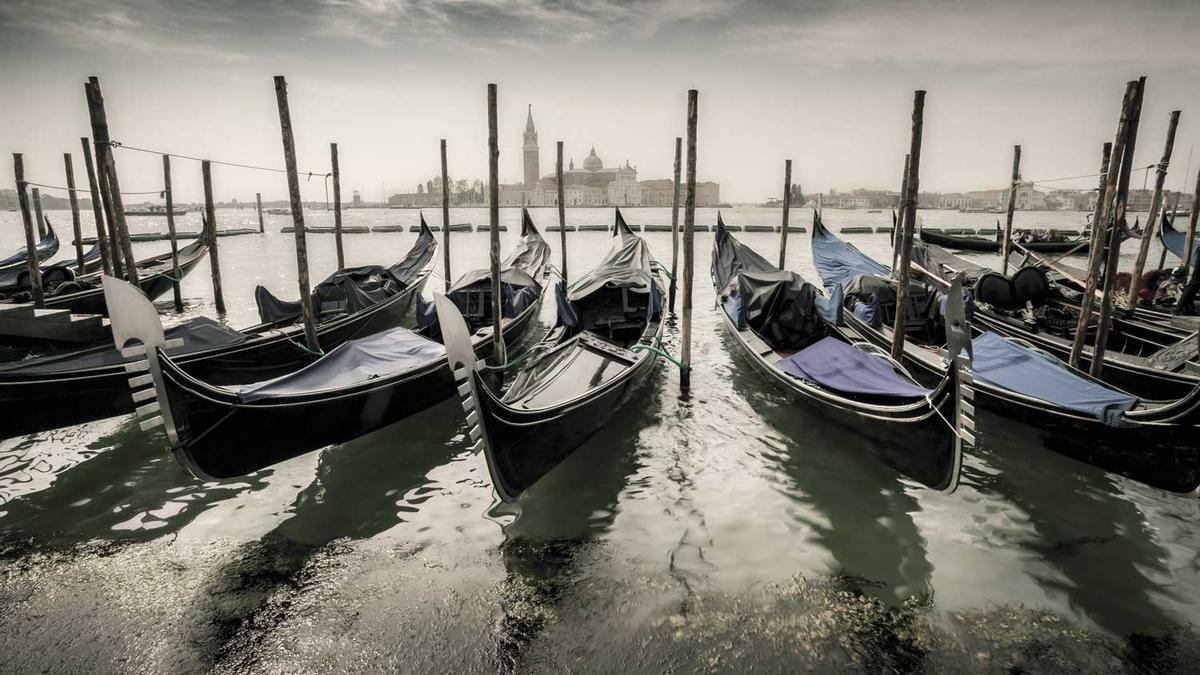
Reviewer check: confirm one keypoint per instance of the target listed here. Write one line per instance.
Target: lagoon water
(725, 531)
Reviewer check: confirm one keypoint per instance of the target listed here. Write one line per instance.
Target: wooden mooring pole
(689, 244)
(910, 218)
(1117, 198)
(1156, 204)
(675, 223)
(210, 214)
(1189, 242)
(898, 221)
(35, 270)
(787, 206)
(498, 355)
(97, 208)
(262, 226)
(445, 218)
(1006, 246)
(289, 158)
(337, 206)
(170, 203)
(1095, 258)
(562, 211)
(76, 226)
(37, 210)
(110, 185)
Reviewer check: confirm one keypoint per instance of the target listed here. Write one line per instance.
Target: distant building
(593, 184)
(357, 199)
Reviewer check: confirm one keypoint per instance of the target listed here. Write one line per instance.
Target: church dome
(593, 163)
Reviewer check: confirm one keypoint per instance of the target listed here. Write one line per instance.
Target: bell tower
(530, 149)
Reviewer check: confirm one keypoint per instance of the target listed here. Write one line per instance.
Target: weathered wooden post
(289, 158)
(1095, 257)
(262, 227)
(787, 206)
(445, 218)
(210, 215)
(898, 223)
(170, 199)
(1006, 246)
(35, 270)
(689, 244)
(675, 222)
(1189, 242)
(498, 354)
(337, 206)
(1116, 202)
(37, 211)
(109, 183)
(910, 219)
(1156, 203)
(75, 224)
(562, 212)
(97, 208)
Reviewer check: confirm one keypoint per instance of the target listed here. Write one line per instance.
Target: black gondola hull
(966, 243)
(37, 403)
(1159, 455)
(526, 445)
(222, 437)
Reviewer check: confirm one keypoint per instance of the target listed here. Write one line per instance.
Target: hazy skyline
(828, 85)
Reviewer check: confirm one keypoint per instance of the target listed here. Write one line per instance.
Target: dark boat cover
(1175, 241)
(198, 334)
(838, 262)
(353, 289)
(1005, 364)
(626, 265)
(47, 247)
(356, 361)
(532, 252)
(839, 367)
(778, 305)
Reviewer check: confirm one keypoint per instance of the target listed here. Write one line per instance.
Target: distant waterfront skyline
(827, 85)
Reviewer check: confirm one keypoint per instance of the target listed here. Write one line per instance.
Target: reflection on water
(726, 531)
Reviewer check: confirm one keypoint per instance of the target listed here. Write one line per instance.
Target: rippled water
(728, 530)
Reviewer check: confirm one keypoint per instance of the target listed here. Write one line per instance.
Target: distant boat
(874, 211)
(153, 210)
(280, 212)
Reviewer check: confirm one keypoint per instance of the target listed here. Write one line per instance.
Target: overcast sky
(826, 84)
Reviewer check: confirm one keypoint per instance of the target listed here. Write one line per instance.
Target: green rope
(661, 352)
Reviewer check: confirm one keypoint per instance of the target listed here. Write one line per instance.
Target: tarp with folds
(1175, 241)
(353, 289)
(839, 367)
(838, 262)
(1003, 363)
(356, 361)
(198, 334)
(626, 265)
(730, 257)
(532, 252)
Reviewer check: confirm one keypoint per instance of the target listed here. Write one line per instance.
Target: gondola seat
(837, 366)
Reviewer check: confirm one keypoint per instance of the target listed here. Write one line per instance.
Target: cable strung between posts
(310, 174)
(87, 190)
(1090, 175)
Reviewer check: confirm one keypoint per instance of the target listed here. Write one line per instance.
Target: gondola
(1148, 358)
(788, 331)
(33, 391)
(45, 249)
(85, 295)
(1078, 246)
(16, 279)
(603, 348)
(1149, 441)
(364, 384)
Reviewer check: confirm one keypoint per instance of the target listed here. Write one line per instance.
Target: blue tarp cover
(839, 263)
(361, 360)
(1004, 364)
(839, 367)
